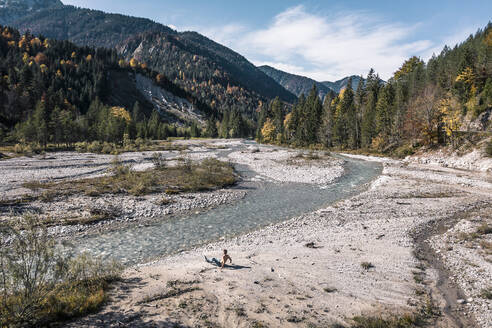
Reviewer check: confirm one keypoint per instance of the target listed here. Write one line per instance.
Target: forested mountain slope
(216, 75)
(94, 94)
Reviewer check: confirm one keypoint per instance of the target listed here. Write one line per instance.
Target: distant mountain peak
(296, 84)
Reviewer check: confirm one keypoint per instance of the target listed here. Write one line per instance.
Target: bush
(107, 148)
(159, 161)
(404, 151)
(40, 283)
(488, 149)
(367, 265)
(95, 147)
(81, 147)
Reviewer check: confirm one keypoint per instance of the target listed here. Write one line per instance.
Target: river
(265, 203)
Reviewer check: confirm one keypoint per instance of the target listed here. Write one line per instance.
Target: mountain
(296, 84)
(64, 76)
(11, 10)
(218, 76)
(340, 84)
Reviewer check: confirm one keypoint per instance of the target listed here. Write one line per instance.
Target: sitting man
(221, 264)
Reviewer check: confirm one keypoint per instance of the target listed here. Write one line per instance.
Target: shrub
(107, 148)
(41, 283)
(486, 293)
(367, 265)
(18, 149)
(81, 147)
(95, 147)
(404, 151)
(484, 229)
(488, 149)
(159, 161)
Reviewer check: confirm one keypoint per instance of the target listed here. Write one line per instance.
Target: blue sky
(325, 40)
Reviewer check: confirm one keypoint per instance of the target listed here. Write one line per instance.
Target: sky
(324, 40)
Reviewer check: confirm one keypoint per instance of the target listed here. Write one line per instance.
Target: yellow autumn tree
(23, 42)
(35, 42)
(268, 131)
(133, 63)
(466, 76)
(88, 58)
(488, 39)
(121, 113)
(451, 116)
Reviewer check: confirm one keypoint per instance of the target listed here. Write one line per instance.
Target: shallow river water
(265, 203)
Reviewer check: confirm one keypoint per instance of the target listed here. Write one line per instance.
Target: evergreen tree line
(422, 104)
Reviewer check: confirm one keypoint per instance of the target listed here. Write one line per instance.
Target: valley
(315, 239)
(339, 154)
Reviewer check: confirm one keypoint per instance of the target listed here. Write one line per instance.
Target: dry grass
(187, 177)
(405, 321)
(486, 293)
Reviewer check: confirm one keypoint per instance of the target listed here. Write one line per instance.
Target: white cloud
(325, 47)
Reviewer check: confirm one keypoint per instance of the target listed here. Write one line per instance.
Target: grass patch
(330, 290)
(488, 149)
(486, 246)
(484, 229)
(405, 321)
(165, 201)
(425, 195)
(240, 311)
(486, 293)
(257, 324)
(295, 319)
(208, 174)
(367, 265)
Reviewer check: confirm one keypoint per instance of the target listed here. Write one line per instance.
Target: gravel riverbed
(356, 257)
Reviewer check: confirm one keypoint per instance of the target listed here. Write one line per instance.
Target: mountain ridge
(298, 84)
(225, 81)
